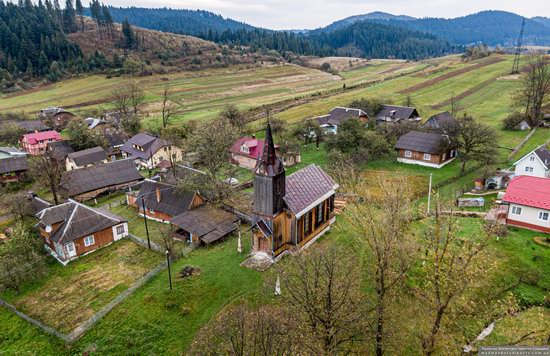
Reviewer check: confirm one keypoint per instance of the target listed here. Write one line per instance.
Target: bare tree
(210, 144)
(451, 268)
(120, 99)
(129, 102)
(476, 142)
(536, 88)
(169, 108)
(456, 106)
(232, 114)
(322, 287)
(46, 170)
(381, 227)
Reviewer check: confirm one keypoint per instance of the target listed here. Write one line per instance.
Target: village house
(395, 114)
(528, 200)
(246, 151)
(162, 201)
(27, 126)
(289, 212)
(425, 149)
(85, 158)
(72, 229)
(149, 151)
(36, 204)
(338, 116)
(56, 117)
(441, 123)
(37, 142)
(535, 164)
(13, 168)
(116, 140)
(59, 150)
(88, 183)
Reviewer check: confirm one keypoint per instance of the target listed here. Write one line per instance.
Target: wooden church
(289, 212)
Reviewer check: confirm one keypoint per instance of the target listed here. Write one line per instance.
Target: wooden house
(289, 212)
(396, 113)
(36, 143)
(148, 151)
(425, 148)
(338, 116)
(13, 168)
(204, 225)
(162, 201)
(59, 150)
(85, 158)
(72, 229)
(26, 126)
(442, 122)
(88, 183)
(56, 117)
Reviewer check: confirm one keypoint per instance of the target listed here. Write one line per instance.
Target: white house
(535, 164)
(528, 201)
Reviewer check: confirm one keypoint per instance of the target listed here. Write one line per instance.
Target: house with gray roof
(289, 213)
(442, 122)
(148, 151)
(26, 126)
(85, 158)
(59, 150)
(535, 164)
(338, 116)
(90, 182)
(425, 148)
(396, 113)
(13, 168)
(72, 229)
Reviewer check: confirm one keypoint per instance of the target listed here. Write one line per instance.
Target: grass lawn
(156, 320)
(70, 294)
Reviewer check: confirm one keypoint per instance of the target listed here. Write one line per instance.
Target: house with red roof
(36, 143)
(528, 201)
(246, 151)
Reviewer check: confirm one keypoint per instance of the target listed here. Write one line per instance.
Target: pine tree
(80, 12)
(129, 36)
(69, 15)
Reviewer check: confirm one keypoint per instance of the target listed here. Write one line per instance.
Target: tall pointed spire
(269, 164)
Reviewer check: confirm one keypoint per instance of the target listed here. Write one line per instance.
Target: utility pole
(145, 220)
(430, 193)
(169, 271)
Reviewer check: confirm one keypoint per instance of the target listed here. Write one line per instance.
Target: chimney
(158, 195)
(254, 136)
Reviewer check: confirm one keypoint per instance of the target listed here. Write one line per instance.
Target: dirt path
(452, 74)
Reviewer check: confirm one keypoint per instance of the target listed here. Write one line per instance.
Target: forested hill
(188, 22)
(376, 16)
(33, 42)
(489, 27)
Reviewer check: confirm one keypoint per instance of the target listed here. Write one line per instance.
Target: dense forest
(188, 22)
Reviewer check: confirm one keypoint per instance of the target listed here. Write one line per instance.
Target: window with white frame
(244, 148)
(427, 156)
(120, 230)
(151, 211)
(543, 215)
(408, 154)
(516, 210)
(89, 240)
(69, 247)
(529, 169)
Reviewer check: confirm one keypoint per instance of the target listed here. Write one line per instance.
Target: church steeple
(269, 164)
(270, 180)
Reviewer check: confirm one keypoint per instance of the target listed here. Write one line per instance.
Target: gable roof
(11, 152)
(396, 112)
(27, 125)
(207, 223)
(150, 145)
(440, 120)
(542, 153)
(339, 114)
(77, 220)
(93, 122)
(89, 156)
(171, 201)
(33, 138)
(36, 204)
(255, 147)
(13, 164)
(307, 188)
(101, 175)
(115, 139)
(60, 149)
(425, 142)
(529, 191)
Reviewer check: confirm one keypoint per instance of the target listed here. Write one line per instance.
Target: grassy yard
(70, 294)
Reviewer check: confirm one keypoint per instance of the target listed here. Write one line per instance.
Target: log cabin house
(56, 117)
(425, 148)
(88, 183)
(13, 168)
(290, 212)
(72, 229)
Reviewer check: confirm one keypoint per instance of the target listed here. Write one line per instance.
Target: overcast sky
(298, 14)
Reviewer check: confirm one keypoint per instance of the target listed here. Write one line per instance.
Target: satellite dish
(48, 228)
